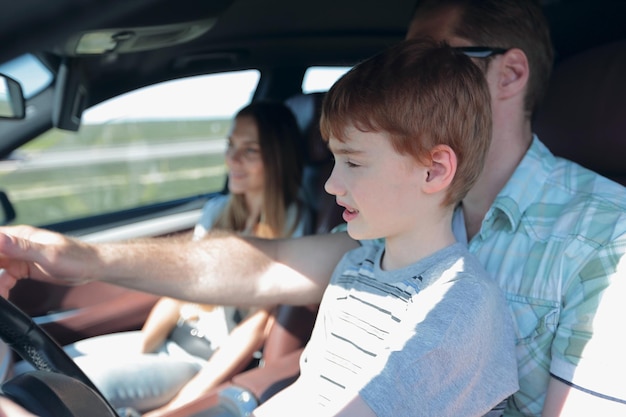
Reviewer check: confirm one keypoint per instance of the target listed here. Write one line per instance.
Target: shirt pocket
(536, 320)
(536, 323)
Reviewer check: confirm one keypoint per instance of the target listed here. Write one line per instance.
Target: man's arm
(587, 352)
(563, 400)
(222, 269)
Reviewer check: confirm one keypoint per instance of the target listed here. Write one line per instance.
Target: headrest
(583, 117)
(318, 160)
(307, 108)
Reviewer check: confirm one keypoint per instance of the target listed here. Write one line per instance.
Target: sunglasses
(480, 51)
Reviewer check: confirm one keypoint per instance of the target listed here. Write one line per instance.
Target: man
(551, 233)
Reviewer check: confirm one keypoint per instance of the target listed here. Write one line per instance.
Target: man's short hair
(421, 94)
(506, 24)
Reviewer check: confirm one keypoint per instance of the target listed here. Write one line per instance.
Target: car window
(318, 79)
(153, 145)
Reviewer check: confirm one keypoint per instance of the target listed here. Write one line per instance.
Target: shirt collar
(524, 186)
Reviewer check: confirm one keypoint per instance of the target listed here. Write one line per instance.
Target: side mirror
(7, 213)
(11, 99)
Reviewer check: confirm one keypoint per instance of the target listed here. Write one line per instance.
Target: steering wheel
(58, 386)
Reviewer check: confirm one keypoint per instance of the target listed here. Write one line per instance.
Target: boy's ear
(441, 171)
(513, 73)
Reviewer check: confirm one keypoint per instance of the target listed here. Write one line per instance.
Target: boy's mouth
(349, 213)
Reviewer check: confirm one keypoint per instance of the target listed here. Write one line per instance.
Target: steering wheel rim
(37, 347)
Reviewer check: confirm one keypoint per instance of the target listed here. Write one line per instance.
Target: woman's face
(243, 158)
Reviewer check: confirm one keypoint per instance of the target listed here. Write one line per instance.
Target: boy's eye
(344, 160)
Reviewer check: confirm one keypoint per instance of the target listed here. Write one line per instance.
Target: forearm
(160, 322)
(223, 269)
(227, 269)
(236, 352)
(177, 268)
(565, 401)
(220, 269)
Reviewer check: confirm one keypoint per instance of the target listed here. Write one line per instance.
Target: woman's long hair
(279, 140)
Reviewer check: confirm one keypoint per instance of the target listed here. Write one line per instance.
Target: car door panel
(70, 313)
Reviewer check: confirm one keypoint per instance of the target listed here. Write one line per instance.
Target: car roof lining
(250, 34)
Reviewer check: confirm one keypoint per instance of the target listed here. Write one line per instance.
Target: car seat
(583, 116)
(318, 160)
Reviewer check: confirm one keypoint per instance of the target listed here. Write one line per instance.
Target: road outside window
(153, 145)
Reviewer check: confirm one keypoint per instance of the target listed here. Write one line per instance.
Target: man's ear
(513, 73)
(441, 171)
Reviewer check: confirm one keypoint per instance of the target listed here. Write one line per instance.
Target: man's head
(421, 94)
(503, 24)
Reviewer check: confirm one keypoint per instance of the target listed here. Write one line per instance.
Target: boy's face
(379, 188)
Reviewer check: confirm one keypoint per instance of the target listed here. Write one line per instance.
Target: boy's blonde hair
(422, 94)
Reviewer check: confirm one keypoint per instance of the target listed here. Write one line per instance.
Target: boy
(409, 129)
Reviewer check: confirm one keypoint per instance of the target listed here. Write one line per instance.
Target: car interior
(98, 50)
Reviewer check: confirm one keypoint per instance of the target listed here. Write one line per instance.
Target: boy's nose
(332, 185)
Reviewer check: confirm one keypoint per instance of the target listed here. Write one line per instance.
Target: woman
(185, 349)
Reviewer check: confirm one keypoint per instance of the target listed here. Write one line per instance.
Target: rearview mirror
(11, 99)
